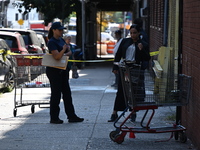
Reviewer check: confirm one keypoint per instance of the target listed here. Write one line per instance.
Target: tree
(50, 8)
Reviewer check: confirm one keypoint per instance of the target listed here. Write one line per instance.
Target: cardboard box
(49, 61)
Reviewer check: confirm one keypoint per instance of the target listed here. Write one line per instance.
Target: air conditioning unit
(143, 12)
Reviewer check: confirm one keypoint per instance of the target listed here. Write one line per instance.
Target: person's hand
(65, 47)
(140, 46)
(68, 47)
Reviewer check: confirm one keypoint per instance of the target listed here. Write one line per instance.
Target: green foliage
(118, 17)
(111, 16)
(50, 8)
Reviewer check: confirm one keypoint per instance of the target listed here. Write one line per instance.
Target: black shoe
(57, 121)
(76, 119)
(114, 85)
(113, 118)
(133, 117)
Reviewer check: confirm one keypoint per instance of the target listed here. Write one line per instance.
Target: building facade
(175, 26)
(15, 19)
(191, 61)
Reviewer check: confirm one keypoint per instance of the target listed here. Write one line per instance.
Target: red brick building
(191, 66)
(176, 24)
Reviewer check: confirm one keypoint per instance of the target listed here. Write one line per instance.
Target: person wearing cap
(118, 36)
(59, 79)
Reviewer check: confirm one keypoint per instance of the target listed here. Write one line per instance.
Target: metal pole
(124, 24)
(2, 10)
(165, 33)
(83, 28)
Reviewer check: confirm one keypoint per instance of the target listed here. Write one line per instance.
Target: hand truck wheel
(33, 108)
(183, 137)
(15, 112)
(113, 135)
(119, 138)
(176, 135)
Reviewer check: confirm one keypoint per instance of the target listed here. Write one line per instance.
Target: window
(25, 17)
(16, 17)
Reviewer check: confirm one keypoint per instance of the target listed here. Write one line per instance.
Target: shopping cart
(143, 90)
(29, 74)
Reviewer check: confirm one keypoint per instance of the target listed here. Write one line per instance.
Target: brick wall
(191, 66)
(190, 57)
(156, 24)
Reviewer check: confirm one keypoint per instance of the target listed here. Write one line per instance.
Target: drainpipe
(165, 32)
(83, 28)
(178, 108)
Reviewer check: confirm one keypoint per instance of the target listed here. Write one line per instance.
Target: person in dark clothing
(143, 36)
(118, 36)
(58, 78)
(130, 49)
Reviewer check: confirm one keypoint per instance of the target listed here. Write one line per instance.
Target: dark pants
(116, 78)
(138, 90)
(119, 104)
(59, 81)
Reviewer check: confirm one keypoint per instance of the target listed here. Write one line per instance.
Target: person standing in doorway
(144, 37)
(118, 36)
(143, 34)
(58, 78)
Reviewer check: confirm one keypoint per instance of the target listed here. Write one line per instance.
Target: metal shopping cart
(29, 74)
(143, 90)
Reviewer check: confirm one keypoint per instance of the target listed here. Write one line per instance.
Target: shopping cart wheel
(15, 112)
(119, 138)
(176, 134)
(183, 137)
(113, 135)
(33, 108)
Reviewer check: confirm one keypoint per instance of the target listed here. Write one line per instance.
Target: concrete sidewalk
(93, 99)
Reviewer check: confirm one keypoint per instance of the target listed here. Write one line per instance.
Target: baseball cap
(57, 25)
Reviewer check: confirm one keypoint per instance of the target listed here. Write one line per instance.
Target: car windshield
(34, 38)
(11, 41)
(27, 39)
(22, 41)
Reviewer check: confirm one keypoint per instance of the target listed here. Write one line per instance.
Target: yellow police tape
(8, 52)
(154, 53)
(90, 60)
(2, 51)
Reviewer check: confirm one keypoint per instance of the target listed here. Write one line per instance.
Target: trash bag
(75, 74)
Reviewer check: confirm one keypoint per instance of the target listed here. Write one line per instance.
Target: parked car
(7, 71)
(15, 42)
(30, 39)
(42, 43)
(106, 45)
(106, 37)
(44, 33)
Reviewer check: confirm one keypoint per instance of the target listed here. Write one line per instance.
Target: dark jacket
(140, 55)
